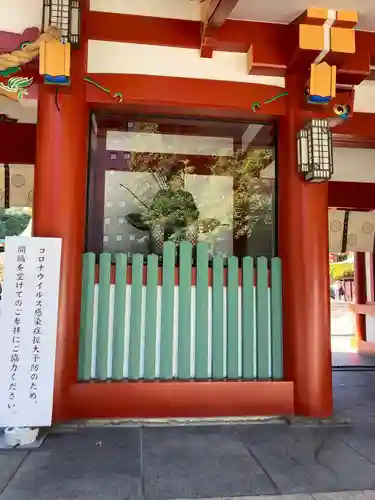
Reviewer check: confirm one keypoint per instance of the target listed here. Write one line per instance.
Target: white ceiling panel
(278, 11)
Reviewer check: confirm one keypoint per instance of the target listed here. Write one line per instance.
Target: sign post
(28, 325)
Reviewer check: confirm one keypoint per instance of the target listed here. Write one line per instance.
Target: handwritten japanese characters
(16, 329)
(28, 324)
(38, 325)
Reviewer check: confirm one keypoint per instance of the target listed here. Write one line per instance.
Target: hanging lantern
(302, 151)
(315, 152)
(54, 56)
(54, 62)
(65, 15)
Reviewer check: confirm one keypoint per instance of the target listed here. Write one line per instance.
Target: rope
(29, 51)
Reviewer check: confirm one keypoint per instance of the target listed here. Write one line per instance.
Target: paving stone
(100, 464)
(272, 497)
(346, 495)
(309, 459)
(354, 396)
(200, 463)
(9, 463)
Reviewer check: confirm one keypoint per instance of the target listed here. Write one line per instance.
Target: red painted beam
(360, 125)
(17, 143)
(351, 195)
(143, 30)
(271, 42)
(365, 40)
(273, 45)
(179, 399)
(189, 93)
(233, 36)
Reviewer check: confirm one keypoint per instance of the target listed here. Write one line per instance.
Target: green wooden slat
(167, 305)
(119, 318)
(87, 314)
(217, 319)
(201, 323)
(248, 313)
(276, 319)
(103, 316)
(262, 312)
(232, 318)
(151, 304)
(184, 312)
(135, 318)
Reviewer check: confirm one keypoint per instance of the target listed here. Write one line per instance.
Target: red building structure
(208, 49)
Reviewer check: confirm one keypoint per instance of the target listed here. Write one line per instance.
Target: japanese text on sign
(28, 324)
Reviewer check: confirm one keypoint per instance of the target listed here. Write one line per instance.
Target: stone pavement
(260, 460)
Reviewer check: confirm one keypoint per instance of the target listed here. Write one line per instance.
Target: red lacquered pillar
(360, 292)
(60, 210)
(303, 248)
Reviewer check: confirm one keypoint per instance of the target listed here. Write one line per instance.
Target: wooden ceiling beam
(270, 46)
(214, 13)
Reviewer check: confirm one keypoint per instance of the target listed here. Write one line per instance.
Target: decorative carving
(17, 180)
(12, 41)
(342, 110)
(26, 51)
(16, 87)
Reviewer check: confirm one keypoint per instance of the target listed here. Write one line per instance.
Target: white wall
(350, 165)
(142, 142)
(364, 97)
(156, 60)
(354, 165)
(17, 15)
(172, 9)
(370, 328)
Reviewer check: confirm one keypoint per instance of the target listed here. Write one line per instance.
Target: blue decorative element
(317, 99)
(342, 110)
(56, 80)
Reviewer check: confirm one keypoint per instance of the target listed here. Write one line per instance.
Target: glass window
(157, 179)
(16, 196)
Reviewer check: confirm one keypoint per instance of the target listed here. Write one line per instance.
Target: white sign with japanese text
(28, 326)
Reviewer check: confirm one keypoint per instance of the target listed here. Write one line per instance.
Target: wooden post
(303, 248)
(60, 210)
(360, 292)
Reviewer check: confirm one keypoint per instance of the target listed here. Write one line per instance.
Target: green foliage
(13, 222)
(173, 206)
(252, 194)
(341, 270)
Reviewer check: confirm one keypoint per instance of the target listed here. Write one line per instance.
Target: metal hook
(255, 106)
(117, 96)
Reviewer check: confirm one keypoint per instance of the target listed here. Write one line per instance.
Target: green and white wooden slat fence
(147, 331)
